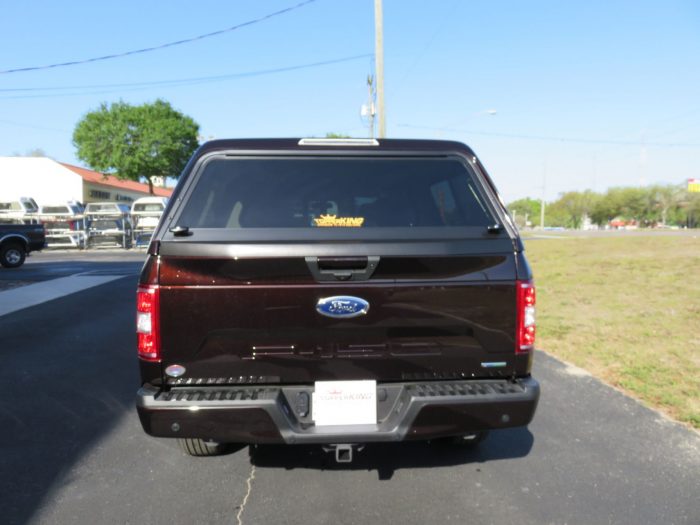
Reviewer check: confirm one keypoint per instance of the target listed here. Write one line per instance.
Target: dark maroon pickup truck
(336, 292)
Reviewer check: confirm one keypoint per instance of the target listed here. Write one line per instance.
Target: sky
(552, 96)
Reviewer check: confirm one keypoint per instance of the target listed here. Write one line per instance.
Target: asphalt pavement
(72, 449)
(53, 264)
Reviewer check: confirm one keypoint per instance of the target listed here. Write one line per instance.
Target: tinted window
(55, 209)
(325, 192)
(30, 205)
(59, 225)
(10, 206)
(149, 207)
(95, 208)
(106, 225)
(107, 208)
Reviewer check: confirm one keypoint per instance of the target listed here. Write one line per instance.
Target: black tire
(200, 448)
(12, 255)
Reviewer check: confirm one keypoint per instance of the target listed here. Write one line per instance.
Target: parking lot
(54, 264)
(73, 450)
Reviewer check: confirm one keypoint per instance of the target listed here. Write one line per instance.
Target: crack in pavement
(249, 483)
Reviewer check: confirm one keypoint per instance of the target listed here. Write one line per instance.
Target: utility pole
(379, 59)
(542, 205)
(370, 105)
(544, 185)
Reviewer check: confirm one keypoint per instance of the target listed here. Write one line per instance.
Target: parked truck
(17, 240)
(334, 292)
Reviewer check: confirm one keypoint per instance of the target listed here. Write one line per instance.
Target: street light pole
(379, 59)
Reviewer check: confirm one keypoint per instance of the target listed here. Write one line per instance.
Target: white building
(51, 182)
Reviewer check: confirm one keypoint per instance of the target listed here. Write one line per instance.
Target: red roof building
(50, 182)
(112, 183)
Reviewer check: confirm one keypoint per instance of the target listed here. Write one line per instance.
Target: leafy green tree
(624, 203)
(556, 215)
(524, 210)
(571, 208)
(331, 135)
(135, 142)
(667, 199)
(605, 210)
(660, 204)
(691, 207)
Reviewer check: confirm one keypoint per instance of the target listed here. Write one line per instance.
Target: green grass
(627, 309)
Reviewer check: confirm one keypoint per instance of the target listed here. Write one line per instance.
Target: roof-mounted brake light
(338, 142)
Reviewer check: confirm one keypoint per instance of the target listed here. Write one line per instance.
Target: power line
(447, 14)
(161, 46)
(559, 139)
(24, 125)
(171, 82)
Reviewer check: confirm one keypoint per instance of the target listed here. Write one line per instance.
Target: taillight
(147, 325)
(525, 301)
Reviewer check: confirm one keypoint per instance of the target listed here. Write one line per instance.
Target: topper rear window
(339, 193)
(149, 207)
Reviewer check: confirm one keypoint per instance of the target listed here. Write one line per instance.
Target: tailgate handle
(342, 268)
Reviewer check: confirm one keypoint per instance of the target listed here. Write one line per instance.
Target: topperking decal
(326, 221)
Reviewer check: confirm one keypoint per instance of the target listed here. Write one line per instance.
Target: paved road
(52, 264)
(531, 234)
(72, 450)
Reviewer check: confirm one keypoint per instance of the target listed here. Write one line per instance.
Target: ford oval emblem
(342, 306)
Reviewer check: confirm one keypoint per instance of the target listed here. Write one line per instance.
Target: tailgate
(257, 319)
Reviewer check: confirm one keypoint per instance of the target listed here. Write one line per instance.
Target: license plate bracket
(344, 403)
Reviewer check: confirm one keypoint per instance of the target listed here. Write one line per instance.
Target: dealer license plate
(344, 403)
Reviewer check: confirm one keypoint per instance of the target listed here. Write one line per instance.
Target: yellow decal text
(325, 221)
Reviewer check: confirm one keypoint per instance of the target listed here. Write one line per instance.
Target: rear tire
(12, 255)
(201, 448)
